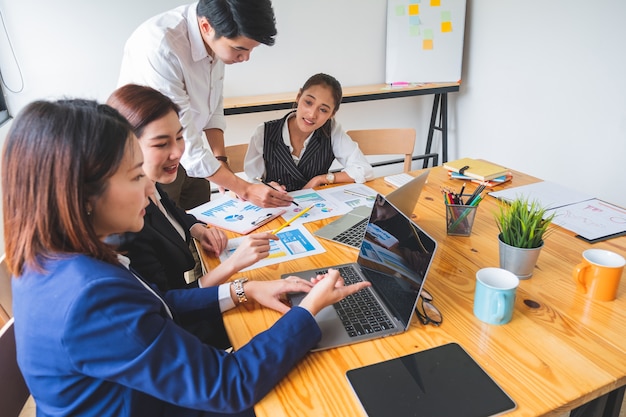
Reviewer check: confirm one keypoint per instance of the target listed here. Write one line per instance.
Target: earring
(88, 212)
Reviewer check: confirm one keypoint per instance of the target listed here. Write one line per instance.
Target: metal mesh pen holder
(460, 219)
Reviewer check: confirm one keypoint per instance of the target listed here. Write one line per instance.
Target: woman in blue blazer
(93, 338)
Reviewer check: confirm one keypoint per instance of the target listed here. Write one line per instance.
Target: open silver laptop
(350, 228)
(395, 257)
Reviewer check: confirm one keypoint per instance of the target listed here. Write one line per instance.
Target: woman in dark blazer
(95, 339)
(160, 251)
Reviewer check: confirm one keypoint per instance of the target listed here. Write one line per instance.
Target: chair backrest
(6, 304)
(236, 155)
(14, 392)
(386, 142)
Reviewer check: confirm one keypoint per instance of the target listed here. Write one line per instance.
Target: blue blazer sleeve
(132, 343)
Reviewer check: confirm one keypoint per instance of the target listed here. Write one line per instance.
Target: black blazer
(158, 252)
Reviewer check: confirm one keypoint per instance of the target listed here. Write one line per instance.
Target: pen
(261, 219)
(272, 187)
(287, 223)
(475, 194)
(358, 194)
(461, 193)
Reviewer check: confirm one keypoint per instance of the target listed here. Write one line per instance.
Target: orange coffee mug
(599, 273)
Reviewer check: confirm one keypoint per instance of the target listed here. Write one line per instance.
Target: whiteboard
(424, 40)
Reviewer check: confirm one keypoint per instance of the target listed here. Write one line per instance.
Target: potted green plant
(523, 226)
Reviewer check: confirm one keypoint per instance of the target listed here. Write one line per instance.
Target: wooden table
(559, 352)
(283, 101)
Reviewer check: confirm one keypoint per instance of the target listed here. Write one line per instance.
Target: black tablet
(443, 381)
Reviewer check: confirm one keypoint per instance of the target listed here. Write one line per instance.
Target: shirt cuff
(310, 314)
(225, 300)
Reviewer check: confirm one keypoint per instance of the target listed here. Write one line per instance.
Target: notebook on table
(350, 228)
(395, 256)
(439, 382)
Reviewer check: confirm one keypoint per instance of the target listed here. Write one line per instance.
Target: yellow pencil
(282, 226)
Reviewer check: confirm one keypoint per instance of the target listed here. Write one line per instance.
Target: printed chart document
(232, 214)
(548, 194)
(329, 202)
(592, 220)
(295, 242)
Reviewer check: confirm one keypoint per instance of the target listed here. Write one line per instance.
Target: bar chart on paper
(232, 214)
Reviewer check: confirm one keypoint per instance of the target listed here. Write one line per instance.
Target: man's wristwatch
(330, 178)
(238, 287)
(222, 158)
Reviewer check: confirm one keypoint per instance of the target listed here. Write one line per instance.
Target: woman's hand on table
(212, 239)
(271, 294)
(253, 248)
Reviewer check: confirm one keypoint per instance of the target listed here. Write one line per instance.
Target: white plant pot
(520, 261)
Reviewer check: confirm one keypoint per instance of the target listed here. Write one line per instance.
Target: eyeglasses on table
(426, 311)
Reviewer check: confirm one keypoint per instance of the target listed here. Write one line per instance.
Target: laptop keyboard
(360, 313)
(354, 235)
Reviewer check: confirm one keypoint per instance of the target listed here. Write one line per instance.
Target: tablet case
(442, 381)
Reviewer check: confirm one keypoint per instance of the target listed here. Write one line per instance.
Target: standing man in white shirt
(183, 53)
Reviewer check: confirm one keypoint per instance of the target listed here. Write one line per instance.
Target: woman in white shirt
(297, 150)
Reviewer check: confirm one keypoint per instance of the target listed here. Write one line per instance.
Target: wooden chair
(14, 392)
(236, 155)
(6, 305)
(387, 142)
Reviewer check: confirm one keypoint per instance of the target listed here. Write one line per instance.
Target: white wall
(543, 87)
(78, 53)
(544, 91)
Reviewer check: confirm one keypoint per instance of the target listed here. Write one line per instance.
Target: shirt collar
(287, 137)
(198, 48)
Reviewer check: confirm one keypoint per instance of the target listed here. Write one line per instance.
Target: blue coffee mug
(494, 298)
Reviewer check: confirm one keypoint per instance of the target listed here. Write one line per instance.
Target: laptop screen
(395, 256)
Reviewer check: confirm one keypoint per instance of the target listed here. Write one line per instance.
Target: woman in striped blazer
(297, 150)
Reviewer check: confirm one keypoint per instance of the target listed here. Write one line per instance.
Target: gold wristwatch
(330, 178)
(238, 287)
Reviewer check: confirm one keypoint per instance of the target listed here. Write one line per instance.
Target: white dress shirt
(346, 152)
(168, 54)
(223, 291)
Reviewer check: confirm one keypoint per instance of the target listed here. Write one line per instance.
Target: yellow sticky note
(435, 3)
(446, 26)
(427, 44)
(414, 9)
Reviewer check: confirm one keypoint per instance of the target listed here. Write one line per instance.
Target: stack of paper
(398, 180)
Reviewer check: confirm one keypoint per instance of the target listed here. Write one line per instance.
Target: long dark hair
(57, 157)
(327, 80)
(336, 91)
(141, 105)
